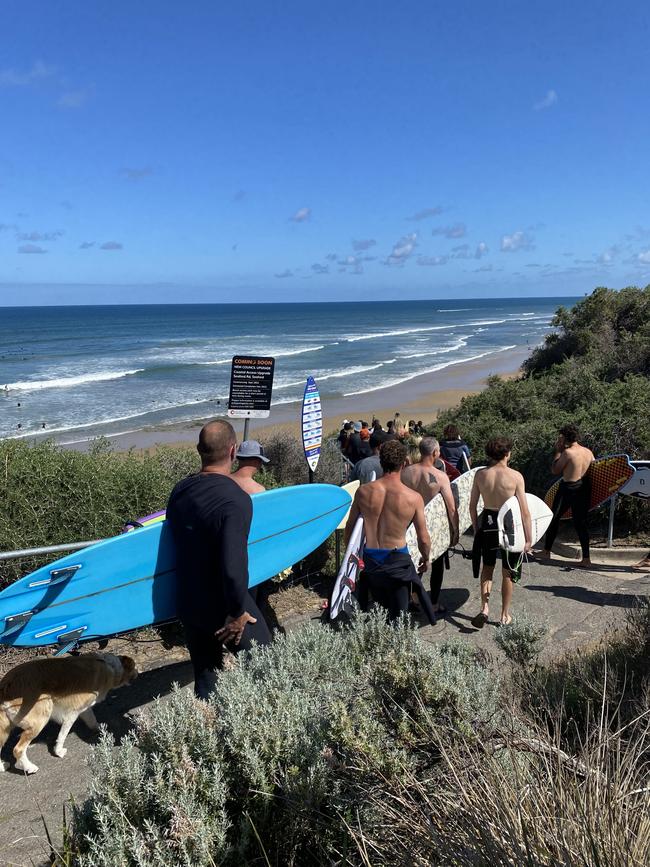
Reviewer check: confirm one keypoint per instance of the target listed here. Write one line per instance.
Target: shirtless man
(572, 461)
(428, 481)
(250, 458)
(388, 507)
(496, 484)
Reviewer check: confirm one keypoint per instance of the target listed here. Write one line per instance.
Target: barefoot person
(496, 484)
(210, 516)
(250, 458)
(428, 481)
(388, 507)
(572, 462)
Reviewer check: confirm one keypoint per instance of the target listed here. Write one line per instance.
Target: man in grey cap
(250, 458)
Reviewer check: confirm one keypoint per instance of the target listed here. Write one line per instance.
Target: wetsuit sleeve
(233, 553)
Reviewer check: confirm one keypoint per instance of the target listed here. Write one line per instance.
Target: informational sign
(251, 384)
(312, 423)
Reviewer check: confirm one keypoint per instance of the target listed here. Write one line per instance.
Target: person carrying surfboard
(572, 461)
(425, 478)
(210, 516)
(496, 484)
(388, 507)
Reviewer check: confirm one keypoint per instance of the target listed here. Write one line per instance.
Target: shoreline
(420, 398)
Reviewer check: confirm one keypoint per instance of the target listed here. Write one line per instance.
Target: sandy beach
(421, 398)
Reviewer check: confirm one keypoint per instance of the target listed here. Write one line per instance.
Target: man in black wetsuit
(210, 516)
(572, 461)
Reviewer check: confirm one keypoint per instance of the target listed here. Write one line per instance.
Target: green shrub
(521, 640)
(260, 769)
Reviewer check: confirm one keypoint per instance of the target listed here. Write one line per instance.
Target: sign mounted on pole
(312, 424)
(251, 384)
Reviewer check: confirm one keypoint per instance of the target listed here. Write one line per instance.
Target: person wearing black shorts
(210, 516)
(496, 484)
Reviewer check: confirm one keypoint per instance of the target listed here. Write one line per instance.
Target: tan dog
(61, 689)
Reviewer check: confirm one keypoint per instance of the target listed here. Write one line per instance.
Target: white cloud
(136, 174)
(481, 250)
(317, 268)
(301, 215)
(517, 241)
(433, 260)
(425, 213)
(285, 273)
(458, 230)
(39, 236)
(31, 248)
(86, 245)
(111, 245)
(14, 78)
(73, 98)
(549, 100)
(363, 245)
(402, 249)
(644, 257)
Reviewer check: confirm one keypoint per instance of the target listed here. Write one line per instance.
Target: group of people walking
(398, 496)
(210, 513)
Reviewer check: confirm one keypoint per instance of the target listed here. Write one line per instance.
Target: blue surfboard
(129, 581)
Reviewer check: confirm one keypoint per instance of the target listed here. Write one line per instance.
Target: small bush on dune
(521, 640)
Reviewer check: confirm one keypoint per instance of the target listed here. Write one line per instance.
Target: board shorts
(488, 538)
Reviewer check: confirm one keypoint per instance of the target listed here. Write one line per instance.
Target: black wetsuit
(575, 496)
(210, 517)
(389, 575)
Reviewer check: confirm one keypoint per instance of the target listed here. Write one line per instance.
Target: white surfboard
(346, 580)
(435, 513)
(511, 527)
(351, 488)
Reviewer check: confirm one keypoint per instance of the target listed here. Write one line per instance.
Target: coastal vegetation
(368, 746)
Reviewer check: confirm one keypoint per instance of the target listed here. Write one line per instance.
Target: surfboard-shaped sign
(312, 423)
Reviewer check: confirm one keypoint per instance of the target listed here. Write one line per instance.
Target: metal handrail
(50, 549)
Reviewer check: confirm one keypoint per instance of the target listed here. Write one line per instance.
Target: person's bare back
(573, 462)
(496, 484)
(246, 481)
(388, 507)
(427, 481)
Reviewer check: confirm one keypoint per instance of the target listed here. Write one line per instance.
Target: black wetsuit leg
(437, 574)
(390, 594)
(579, 511)
(206, 651)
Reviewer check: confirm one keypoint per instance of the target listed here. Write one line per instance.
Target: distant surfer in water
(427, 480)
(210, 516)
(572, 461)
(496, 484)
(250, 458)
(388, 507)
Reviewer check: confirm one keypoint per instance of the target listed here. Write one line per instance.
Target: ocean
(78, 372)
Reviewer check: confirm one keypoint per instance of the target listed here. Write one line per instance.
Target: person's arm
(473, 503)
(520, 493)
(352, 520)
(233, 567)
(424, 539)
(452, 512)
(560, 458)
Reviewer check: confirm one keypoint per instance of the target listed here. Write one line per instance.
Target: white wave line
(69, 381)
(428, 370)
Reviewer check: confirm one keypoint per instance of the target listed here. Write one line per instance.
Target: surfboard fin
(15, 622)
(57, 576)
(68, 641)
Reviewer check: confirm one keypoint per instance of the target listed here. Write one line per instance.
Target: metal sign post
(251, 386)
(312, 425)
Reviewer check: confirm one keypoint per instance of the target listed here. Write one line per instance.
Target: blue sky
(163, 152)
